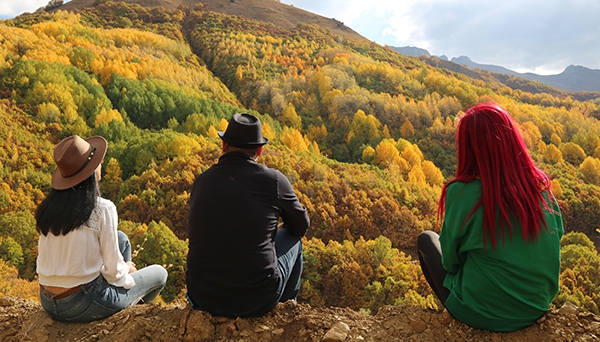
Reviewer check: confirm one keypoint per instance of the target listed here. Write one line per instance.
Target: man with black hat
(241, 260)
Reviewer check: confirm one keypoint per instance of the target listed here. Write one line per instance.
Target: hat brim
(232, 142)
(61, 183)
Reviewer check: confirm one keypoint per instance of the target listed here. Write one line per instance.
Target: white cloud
(543, 36)
(12, 8)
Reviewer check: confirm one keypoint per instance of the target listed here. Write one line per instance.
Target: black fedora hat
(244, 130)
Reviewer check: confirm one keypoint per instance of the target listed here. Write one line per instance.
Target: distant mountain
(412, 51)
(573, 78)
(464, 60)
(415, 51)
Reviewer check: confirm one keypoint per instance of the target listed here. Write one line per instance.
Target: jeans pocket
(94, 312)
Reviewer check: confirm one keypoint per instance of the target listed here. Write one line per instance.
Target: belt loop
(46, 292)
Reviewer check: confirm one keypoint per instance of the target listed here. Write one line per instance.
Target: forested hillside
(365, 134)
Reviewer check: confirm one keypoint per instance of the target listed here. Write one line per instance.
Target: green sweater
(501, 289)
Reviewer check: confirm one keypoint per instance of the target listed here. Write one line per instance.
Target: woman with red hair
(496, 263)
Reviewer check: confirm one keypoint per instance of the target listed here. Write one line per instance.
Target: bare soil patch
(23, 320)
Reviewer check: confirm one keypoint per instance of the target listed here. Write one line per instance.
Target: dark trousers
(430, 258)
(288, 248)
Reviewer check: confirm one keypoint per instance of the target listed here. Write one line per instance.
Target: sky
(539, 36)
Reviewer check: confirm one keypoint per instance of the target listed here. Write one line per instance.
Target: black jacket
(235, 206)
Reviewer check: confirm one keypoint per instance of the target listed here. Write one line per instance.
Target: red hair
(489, 147)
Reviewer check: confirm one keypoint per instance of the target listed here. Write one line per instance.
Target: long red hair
(489, 147)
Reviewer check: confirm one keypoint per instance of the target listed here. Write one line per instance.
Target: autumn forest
(365, 135)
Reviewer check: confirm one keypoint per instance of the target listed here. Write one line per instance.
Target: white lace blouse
(81, 255)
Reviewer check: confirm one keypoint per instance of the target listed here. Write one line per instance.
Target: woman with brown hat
(84, 262)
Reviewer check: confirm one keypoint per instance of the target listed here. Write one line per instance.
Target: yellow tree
(268, 131)
(223, 125)
(12, 285)
(293, 139)
(556, 188)
(290, 118)
(107, 116)
(412, 154)
(572, 153)
(416, 176)
(552, 155)
(317, 133)
(531, 134)
(433, 175)
(368, 154)
(111, 180)
(590, 168)
(385, 153)
(212, 132)
(407, 130)
(365, 127)
(555, 139)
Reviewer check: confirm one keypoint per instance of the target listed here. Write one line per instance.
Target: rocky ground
(22, 320)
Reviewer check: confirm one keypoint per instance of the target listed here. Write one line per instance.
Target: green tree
(20, 241)
(161, 246)
(11, 252)
(580, 272)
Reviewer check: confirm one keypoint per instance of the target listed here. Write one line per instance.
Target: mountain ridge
(574, 78)
(273, 11)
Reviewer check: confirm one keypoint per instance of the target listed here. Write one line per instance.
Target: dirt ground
(23, 320)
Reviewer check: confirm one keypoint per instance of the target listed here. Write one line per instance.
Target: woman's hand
(131, 267)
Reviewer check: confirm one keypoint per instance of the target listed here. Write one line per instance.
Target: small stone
(337, 333)
(231, 327)
(568, 308)
(4, 301)
(418, 326)
(278, 331)
(261, 328)
(445, 318)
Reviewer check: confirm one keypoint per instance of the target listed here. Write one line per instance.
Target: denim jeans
(99, 299)
(288, 248)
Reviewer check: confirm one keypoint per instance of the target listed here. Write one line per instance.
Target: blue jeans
(99, 299)
(288, 248)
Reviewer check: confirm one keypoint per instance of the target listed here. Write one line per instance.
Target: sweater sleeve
(449, 243)
(293, 212)
(458, 207)
(114, 269)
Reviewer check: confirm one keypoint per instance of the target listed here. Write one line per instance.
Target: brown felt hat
(244, 130)
(76, 159)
